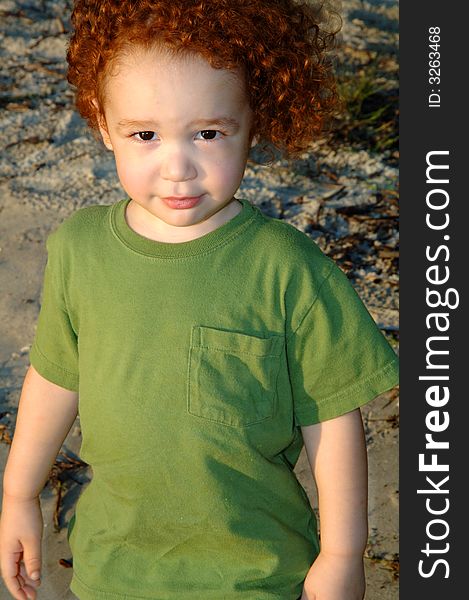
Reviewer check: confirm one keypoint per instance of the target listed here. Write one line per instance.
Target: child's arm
(45, 414)
(337, 454)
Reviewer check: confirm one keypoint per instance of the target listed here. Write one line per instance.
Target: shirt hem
(51, 371)
(84, 592)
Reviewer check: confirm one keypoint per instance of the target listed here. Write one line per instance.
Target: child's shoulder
(84, 220)
(81, 226)
(294, 250)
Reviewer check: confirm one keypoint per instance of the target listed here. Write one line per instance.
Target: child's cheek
(133, 175)
(230, 171)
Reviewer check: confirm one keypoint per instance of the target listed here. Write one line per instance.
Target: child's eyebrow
(226, 122)
(223, 122)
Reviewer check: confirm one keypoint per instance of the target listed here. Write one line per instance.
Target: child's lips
(181, 201)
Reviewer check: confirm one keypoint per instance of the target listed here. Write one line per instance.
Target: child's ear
(104, 133)
(103, 128)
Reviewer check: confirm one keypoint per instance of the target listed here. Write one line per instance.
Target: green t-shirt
(196, 363)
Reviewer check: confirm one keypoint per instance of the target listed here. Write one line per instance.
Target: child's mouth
(181, 202)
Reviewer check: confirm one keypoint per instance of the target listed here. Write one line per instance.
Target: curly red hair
(280, 45)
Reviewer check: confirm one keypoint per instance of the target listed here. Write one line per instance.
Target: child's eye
(145, 136)
(208, 134)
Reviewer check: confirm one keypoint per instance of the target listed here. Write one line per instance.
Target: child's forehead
(160, 63)
(177, 84)
(163, 56)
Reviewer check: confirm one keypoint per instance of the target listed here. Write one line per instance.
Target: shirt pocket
(232, 376)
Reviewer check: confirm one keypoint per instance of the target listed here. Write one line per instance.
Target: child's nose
(177, 166)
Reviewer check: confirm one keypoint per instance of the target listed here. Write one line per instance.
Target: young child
(201, 341)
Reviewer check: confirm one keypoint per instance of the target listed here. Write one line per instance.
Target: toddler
(202, 342)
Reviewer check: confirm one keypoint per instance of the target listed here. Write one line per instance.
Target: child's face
(178, 129)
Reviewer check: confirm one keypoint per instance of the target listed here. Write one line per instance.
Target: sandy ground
(51, 165)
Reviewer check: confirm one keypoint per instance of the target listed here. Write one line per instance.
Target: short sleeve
(338, 359)
(54, 351)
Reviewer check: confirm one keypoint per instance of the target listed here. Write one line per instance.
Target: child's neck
(149, 226)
